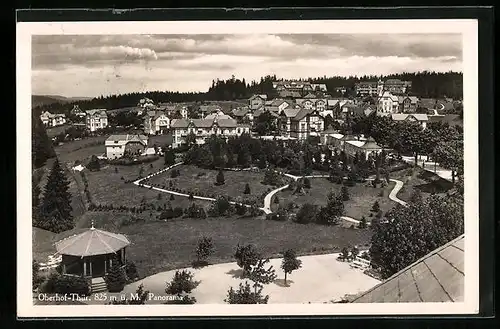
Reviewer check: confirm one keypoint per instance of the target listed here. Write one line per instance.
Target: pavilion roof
(91, 242)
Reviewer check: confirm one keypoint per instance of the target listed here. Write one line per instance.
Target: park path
(139, 183)
(433, 167)
(268, 197)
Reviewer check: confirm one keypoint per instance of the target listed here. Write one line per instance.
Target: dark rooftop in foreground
(436, 277)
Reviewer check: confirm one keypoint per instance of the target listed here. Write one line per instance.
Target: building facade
(156, 123)
(257, 101)
(119, 145)
(96, 119)
(388, 103)
(204, 128)
(52, 120)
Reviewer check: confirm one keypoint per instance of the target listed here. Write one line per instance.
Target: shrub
(240, 209)
(204, 249)
(131, 270)
(175, 173)
(306, 214)
(376, 207)
(66, 284)
(172, 197)
(247, 189)
(115, 279)
(245, 295)
(362, 223)
(276, 199)
(182, 282)
(307, 183)
(345, 193)
(219, 180)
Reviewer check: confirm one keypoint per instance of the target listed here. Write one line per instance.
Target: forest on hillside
(424, 84)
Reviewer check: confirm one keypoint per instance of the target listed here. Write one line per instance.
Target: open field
(419, 179)
(201, 181)
(107, 186)
(332, 280)
(363, 196)
(158, 246)
(54, 131)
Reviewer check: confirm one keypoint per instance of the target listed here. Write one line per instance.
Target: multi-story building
(377, 88)
(396, 86)
(301, 87)
(411, 117)
(301, 123)
(156, 123)
(76, 111)
(119, 145)
(52, 120)
(388, 103)
(96, 119)
(204, 128)
(367, 88)
(407, 104)
(257, 101)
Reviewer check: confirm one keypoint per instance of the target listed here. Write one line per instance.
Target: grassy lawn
(107, 187)
(160, 246)
(363, 195)
(422, 180)
(54, 131)
(202, 181)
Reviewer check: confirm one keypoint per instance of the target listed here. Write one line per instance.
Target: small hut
(92, 252)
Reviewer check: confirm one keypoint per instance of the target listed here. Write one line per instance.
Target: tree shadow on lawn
(281, 283)
(199, 264)
(236, 273)
(435, 184)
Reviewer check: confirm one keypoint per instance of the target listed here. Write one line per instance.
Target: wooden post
(90, 263)
(64, 268)
(84, 267)
(105, 264)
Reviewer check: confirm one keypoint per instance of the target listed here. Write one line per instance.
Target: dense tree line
(412, 232)
(424, 84)
(439, 140)
(41, 147)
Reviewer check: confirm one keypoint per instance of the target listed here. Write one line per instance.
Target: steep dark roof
(436, 277)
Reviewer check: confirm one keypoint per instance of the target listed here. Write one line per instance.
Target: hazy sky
(94, 65)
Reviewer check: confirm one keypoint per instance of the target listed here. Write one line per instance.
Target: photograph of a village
(247, 169)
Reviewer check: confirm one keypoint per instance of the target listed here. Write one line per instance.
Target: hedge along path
(138, 183)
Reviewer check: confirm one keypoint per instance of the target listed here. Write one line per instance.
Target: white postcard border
(469, 30)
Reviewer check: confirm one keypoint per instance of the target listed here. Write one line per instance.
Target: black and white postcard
(186, 168)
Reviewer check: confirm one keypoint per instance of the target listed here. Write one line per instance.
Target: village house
(209, 109)
(242, 114)
(288, 94)
(156, 123)
(119, 145)
(413, 117)
(407, 104)
(204, 128)
(96, 119)
(280, 103)
(307, 122)
(388, 103)
(257, 101)
(52, 120)
(76, 111)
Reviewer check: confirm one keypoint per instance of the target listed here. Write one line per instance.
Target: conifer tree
(55, 208)
(169, 157)
(41, 147)
(220, 178)
(115, 279)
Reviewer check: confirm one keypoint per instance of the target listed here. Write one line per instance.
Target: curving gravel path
(268, 197)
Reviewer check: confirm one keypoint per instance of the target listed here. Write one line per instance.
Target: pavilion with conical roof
(92, 252)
